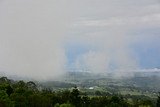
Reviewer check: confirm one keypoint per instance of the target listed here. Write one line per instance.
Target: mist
(34, 36)
(31, 38)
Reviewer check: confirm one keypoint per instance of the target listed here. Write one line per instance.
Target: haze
(44, 39)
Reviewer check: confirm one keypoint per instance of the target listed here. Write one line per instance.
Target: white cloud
(152, 19)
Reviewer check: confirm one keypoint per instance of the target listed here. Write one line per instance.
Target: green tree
(4, 80)
(32, 86)
(38, 100)
(98, 93)
(5, 100)
(66, 105)
(65, 95)
(158, 100)
(85, 100)
(19, 100)
(75, 98)
(7, 88)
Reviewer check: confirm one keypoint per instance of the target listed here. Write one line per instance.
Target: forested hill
(30, 94)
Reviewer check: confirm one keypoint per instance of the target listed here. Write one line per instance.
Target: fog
(34, 35)
(31, 38)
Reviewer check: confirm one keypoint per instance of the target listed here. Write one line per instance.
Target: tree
(4, 99)
(31, 85)
(4, 80)
(38, 100)
(75, 98)
(98, 93)
(66, 105)
(158, 100)
(7, 88)
(19, 100)
(65, 95)
(85, 100)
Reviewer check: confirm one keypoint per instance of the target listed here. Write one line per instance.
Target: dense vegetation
(28, 94)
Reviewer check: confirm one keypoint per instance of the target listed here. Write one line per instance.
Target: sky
(45, 39)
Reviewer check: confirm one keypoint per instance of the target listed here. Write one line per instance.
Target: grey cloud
(108, 26)
(33, 34)
(31, 38)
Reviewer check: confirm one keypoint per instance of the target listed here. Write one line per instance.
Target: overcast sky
(43, 39)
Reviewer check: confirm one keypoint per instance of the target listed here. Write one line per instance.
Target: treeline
(27, 94)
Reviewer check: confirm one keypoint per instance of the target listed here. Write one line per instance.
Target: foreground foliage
(27, 94)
